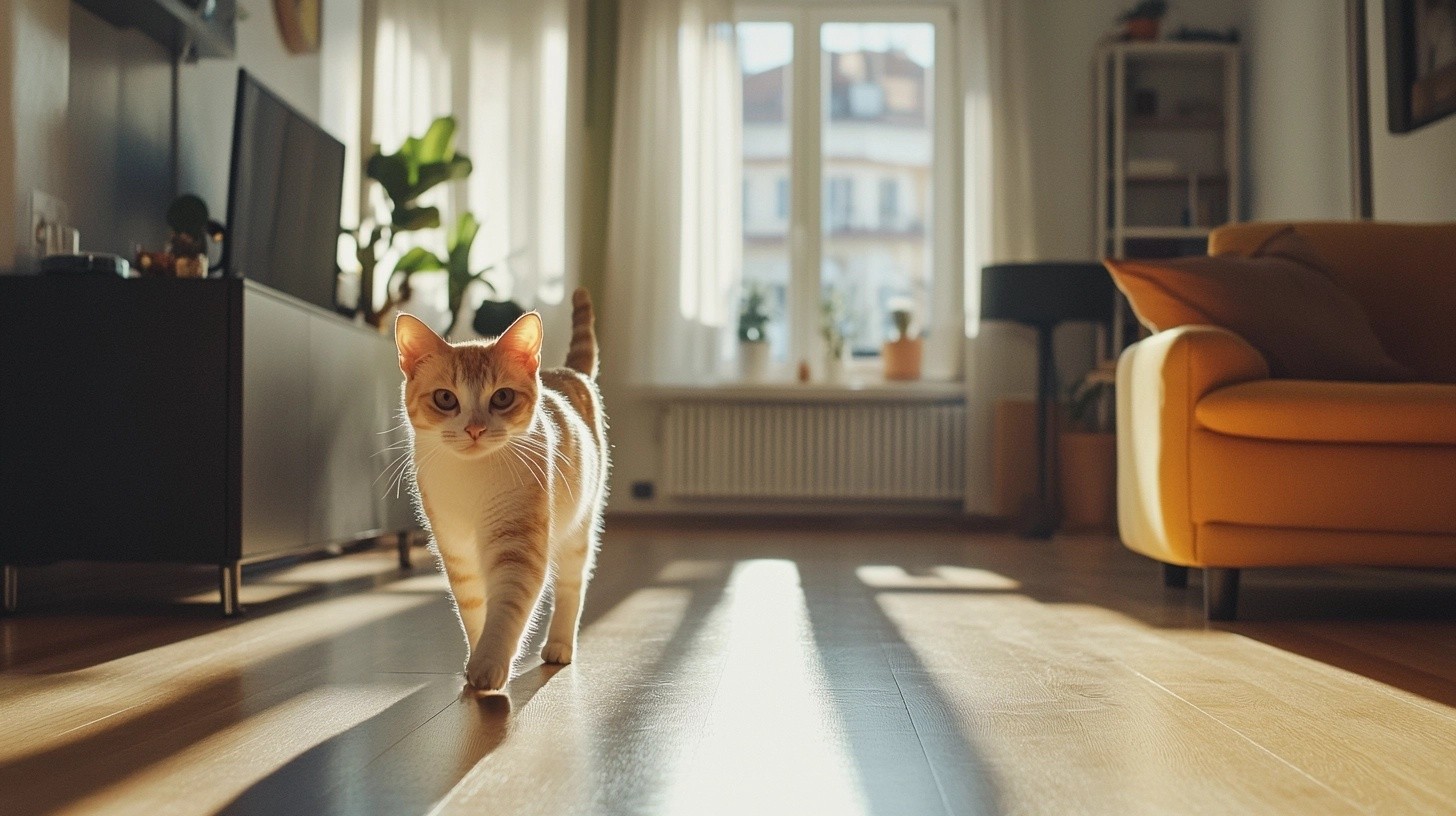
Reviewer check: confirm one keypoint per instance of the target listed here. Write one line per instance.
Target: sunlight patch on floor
(883, 576)
(769, 745)
(214, 770)
(45, 711)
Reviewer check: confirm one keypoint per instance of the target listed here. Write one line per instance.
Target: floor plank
(732, 669)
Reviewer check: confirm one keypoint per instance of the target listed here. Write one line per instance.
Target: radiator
(890, 451)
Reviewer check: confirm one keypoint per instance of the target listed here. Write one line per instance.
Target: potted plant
(753, 349)
(902, 356)
(1141, 21)
(834, 330)
(1087, 454)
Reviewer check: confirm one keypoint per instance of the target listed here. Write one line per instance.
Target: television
(285, 188)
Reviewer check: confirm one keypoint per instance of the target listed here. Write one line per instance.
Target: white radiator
(811, 451)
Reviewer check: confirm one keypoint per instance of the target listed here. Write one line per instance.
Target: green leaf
(416, 218)
(435, 173)
(438, 143)
(418, 259)
(393, 174)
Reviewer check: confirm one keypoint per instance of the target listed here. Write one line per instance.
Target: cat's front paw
(485, 674)
(557, 651)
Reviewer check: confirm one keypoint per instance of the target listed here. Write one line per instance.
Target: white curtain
(674, 228)
(1000, 222)
(504, 70)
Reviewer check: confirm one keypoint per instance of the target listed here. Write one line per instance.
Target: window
(889, 204)
(847, 109)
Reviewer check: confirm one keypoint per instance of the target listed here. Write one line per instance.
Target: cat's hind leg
(572, 572)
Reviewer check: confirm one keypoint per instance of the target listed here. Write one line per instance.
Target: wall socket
(50, 226)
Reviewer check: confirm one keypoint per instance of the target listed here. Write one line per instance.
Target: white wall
(35, 78)
(1297, 128)
(1412, 172)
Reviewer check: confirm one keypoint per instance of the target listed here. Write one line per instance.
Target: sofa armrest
(1159, 382)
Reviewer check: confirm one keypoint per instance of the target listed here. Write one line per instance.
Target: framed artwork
(1420, 59)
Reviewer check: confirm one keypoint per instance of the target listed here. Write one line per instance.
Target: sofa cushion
(1281, 300)
(1311, 411)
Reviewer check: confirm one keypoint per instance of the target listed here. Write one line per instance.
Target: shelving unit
(1168, 151)
(1173, 105)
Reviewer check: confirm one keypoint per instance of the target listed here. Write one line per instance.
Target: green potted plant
(753, 348)
(1087, 454)
(1142, 20)
(834, 331)
(902, 356)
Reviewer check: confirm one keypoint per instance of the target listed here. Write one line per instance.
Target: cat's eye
(502, 398)
(445, 399)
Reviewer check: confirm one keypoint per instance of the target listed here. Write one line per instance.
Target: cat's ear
(415, 341)
(523, 338)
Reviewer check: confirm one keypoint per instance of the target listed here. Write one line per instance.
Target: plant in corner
(1087, 453)
(753, 348)
(420, 164)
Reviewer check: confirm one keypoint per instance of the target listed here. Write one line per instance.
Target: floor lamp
(1043, 296)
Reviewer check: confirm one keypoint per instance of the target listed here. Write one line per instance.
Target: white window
(854, 106)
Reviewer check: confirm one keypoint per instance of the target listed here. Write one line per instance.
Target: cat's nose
(475, 431)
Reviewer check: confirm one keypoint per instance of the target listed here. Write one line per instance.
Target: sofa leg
(1220, 593)
(1175, 577)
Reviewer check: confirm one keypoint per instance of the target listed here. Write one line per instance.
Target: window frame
(807, 101)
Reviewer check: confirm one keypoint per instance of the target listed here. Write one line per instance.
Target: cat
(510, 469)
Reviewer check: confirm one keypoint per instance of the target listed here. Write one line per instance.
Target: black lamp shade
(1045, 294)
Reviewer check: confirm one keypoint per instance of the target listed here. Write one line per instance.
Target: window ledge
(868, 391)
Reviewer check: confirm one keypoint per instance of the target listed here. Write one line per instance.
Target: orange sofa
(1222, 468)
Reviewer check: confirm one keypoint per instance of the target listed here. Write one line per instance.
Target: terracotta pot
(902, 358)
(1087, 475)
(1141, 28)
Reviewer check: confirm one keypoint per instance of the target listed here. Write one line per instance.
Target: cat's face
(472, 398)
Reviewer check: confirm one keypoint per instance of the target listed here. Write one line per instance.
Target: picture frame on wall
(1420, 57)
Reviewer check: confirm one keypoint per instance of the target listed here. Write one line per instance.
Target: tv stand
(211, 421)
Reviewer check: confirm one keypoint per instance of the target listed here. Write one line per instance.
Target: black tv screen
(284, 194)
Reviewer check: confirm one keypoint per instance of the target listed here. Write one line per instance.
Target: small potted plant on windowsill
(753, 349)
(1087, 454)
(834, 330)
(903, 355)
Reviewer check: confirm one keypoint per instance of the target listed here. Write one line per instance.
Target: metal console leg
(10, 593)
(402, 541)
(230, 586)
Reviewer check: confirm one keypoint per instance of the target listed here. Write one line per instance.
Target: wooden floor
(742, 671)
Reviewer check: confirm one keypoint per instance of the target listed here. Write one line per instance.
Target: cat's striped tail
(583, 353)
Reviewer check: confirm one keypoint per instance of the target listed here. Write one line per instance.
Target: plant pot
(902, 358)
(753, 360)
(1087, 475)
(1141, 28)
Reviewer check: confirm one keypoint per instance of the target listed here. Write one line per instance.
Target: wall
(1297, 130)
(1411, 172)
(119, 122)
(35, 77)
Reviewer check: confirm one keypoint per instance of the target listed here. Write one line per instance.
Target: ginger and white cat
(510, 466)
